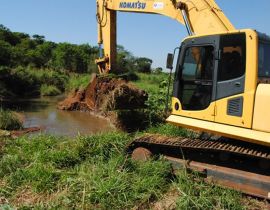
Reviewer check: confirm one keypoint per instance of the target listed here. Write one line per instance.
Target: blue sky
(152, 36)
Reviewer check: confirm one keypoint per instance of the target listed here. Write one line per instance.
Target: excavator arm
(199, 16)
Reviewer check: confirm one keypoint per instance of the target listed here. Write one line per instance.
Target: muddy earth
(109, 97)
(105, 94)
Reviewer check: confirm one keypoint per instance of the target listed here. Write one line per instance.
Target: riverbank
(11, 124)
(92, 171)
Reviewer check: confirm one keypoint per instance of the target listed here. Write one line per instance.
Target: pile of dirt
(105, 94)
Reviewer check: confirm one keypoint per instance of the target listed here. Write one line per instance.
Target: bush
(129, 76)
(49, 90)
(50, 78)
(31, 82)
(9, 121)
(77, 81)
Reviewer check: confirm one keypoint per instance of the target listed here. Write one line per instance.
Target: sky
(144, 35)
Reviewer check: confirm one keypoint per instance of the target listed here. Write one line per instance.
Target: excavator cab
(218, 82)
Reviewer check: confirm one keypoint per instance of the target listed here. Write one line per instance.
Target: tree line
(21, 49)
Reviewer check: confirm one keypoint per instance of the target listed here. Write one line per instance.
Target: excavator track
(238, 165)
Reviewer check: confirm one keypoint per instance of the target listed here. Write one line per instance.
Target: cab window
(198, 63)
(264, 61)
(197, 73)
(233, 57)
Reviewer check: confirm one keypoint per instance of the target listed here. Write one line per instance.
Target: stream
(43, 112)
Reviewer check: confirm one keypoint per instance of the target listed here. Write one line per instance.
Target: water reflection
(43, 112)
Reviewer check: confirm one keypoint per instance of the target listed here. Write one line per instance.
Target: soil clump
(104, 94)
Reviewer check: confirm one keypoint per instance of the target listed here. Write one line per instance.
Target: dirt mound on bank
(105, 94)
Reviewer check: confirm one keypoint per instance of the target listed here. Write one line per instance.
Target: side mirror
(169, 61)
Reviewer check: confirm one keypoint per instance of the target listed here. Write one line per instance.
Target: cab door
(231, 98)
(194, 86)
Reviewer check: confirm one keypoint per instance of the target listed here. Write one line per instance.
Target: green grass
(93, 172)
(49, 90)
(156, 87)
(9, 121)
(194, 193)
(171, 130)
(88, 172)
(78, 81)
(151, 82)
(27, 81)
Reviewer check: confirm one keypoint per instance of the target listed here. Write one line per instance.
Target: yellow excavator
(220, 87)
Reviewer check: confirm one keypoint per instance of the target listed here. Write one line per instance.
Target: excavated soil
(109, 97)
(104, 94)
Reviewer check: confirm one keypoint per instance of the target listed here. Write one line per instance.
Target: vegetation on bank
(77, 81)
(93, 172)
(31, 66)
(9, 120)
(89, 173)
(29, 81)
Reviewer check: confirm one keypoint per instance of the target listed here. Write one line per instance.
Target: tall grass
(49, 90)
(171, 130)
(89, 172)
(194, 193)
(156, 87)
(93, 172)
(151, 82)
(9, 121)
(78, 81)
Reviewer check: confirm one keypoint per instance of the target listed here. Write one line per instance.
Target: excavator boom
(199, 16)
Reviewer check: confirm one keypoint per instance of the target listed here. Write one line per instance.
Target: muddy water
(43, 112)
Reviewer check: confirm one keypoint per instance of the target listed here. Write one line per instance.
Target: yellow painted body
(261, 119)
(249, 135)
(254, 124)
(217, 111)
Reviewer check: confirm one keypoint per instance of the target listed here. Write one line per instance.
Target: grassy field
(94, 172)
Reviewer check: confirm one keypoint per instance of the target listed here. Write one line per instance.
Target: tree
(18, 56)
(143, 65)
(39, 39)
(21, 35)
(92, 66)
(70, 57)
(42, 54)
(125, 60)
(20, 49)
(5, 53)
(8, 36)
(158, 70)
